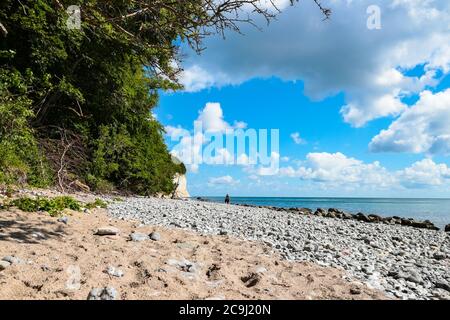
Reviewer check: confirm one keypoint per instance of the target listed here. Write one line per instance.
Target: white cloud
(339, 170)
(424, 173)
(189, 148)
(176, 132)
(211, 117)
(225, 180)
(297, 139)
(239, 125)
(423, 128)
(341, 54)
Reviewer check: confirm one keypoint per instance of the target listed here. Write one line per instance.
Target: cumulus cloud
(225, 180)
(424, 173)
(337, 169)
(423, 128)
(338, 55)
(211, 117)
(189, 147)
(296, 138)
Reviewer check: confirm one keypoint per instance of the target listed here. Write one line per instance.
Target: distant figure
(227, 199)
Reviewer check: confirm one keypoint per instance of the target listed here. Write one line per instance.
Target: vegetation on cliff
(76, 103)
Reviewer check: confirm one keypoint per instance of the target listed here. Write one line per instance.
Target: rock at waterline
(107, 231)
(447, 228)
(107, 293)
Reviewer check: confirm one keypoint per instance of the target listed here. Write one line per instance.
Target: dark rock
(355, 291)
(443, 285)
(362, 217)
(447, 228)
(374, 218)
(320, 212)
(406, 222)
(155, 236)
(346, 216)
(251, 280)
(439, 256)
(424, 225)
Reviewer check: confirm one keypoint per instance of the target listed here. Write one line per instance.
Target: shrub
(53, 206)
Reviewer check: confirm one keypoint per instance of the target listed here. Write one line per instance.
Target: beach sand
(66, 261)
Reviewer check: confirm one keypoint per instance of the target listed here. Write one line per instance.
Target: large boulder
(447, 228)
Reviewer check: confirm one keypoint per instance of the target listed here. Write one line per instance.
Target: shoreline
(402, 262)
(341, 214)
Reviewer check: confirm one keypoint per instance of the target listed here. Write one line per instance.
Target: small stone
(4, 265)
(155, 236)
(107, 293)
(414, 277)
(12, 260)
(443, 285)
(439, 256)
(38, 235)
(355, 291)
(251, 280)
(138, 237)
(260, 270)
(191, 269)
(64, 220)
(114, 272)
(107, 231)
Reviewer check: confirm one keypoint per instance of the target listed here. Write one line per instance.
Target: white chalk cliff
(181, 189)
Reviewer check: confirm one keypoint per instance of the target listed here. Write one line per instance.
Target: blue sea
(435, 210)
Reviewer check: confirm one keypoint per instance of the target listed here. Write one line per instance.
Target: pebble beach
(402, 261)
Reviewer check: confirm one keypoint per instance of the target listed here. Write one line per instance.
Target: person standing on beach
(227, 199)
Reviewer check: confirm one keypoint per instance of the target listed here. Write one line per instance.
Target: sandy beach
(180, 265)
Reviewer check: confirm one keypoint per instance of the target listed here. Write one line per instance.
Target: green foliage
(53, 206)
(20, 158)
(98, 83)
(97, 203)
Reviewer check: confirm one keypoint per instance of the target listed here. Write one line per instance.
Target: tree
(85, 95)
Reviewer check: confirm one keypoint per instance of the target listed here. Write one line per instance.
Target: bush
(20, 158)
(97, 203)
(53, 206)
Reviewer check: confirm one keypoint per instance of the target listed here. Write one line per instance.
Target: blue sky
(360, 112)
